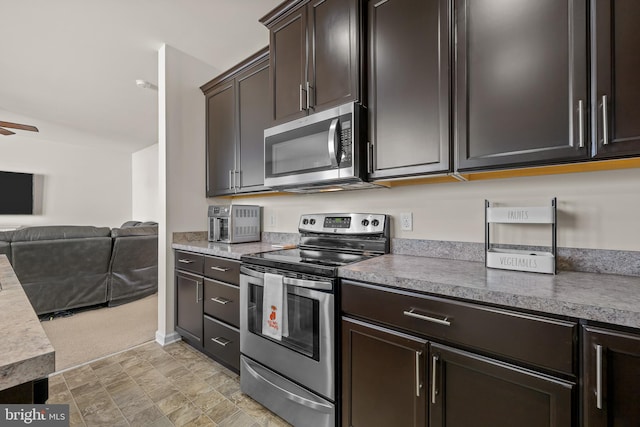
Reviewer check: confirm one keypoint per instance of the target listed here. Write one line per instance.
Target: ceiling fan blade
(6, 132)
(18, 126)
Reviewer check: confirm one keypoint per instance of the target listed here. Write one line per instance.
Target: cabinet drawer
(189, 261)
(222, 342)
(534, 340)
(222, 269)
(221, 301)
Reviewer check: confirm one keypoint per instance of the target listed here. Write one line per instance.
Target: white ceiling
(74, 63)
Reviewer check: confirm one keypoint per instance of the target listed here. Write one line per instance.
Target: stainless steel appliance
(234, 223)
(322, 151)
(295, 376)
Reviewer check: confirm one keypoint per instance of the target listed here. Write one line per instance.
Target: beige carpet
(92, 334)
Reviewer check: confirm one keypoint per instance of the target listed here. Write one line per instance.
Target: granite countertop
(225, 250)
(605, 298)
(26, 353)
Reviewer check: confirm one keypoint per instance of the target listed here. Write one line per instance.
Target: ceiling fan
(4, 125)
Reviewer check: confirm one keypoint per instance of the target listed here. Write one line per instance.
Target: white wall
(598, 210)
(82, 185)
(183, 206)
(144, 184)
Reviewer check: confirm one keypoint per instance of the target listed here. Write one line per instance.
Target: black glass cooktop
(319, 262)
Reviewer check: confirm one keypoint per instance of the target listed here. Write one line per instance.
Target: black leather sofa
(67, 267)
(134, 263)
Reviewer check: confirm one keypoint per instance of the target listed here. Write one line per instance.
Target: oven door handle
(290, 281)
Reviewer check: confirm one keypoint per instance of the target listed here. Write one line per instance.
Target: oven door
(312, 150)
(307, 354)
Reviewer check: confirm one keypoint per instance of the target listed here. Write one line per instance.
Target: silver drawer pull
(444, 321)
(185, 261)
(221, 341)
(434, 390)
(222, 269)
(599, 376)
(221, 300)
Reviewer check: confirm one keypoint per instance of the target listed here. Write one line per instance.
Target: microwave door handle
(333, 143)
(216, 229)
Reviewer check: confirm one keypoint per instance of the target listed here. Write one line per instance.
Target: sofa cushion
(130, 224)
(56, 232)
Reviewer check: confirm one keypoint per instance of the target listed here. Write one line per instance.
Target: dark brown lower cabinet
(383, 373)
(189, 292)
(470, 390)
(611, 378)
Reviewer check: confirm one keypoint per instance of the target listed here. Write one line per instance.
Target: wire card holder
(521, 260)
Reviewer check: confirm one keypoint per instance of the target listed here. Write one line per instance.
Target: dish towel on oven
(274, 307)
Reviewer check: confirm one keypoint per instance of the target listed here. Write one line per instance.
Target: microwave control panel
(346, 147)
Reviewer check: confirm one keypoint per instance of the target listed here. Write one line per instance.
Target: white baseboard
(167, 339)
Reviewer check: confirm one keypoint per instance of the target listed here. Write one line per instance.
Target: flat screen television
(16, 193)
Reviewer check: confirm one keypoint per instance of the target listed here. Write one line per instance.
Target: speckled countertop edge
(26, 353)
(595, 295)
(604, 298)
(197, 242)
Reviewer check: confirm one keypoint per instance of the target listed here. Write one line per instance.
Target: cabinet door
(221, 140)
(189, 312)
(520, 73)
(611, 378)
(254, 116)
(470, 390)
(615, 42)
(334, 52)
(408, 66)
(288, 65)
(382, 377)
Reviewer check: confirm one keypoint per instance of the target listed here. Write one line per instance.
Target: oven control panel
(349, 223)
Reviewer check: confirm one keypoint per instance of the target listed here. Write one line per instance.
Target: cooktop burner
(329, 241)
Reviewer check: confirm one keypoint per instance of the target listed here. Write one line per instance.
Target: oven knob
(365, 222)
(305, 221)
(375, 223)
(312, 221)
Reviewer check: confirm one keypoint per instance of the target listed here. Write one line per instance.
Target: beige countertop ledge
(25, 351)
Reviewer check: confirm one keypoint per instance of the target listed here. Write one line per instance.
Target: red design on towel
(272, 318)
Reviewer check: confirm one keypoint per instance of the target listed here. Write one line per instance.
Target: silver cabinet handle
(230, 179)
(221, 341)
(369, 157)
(185, 261)
(434, 391)
(605, 121)
(222, 269)
(237, 183)
(580, 123)
(301, 106)
(309, 89)
(221, 300)
(444, 321)
(332, 143)
(197, 292)
(418, 384)
(599, 376)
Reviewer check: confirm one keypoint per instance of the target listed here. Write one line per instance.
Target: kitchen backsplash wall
(596, 210)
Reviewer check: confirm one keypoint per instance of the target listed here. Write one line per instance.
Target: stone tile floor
(151, 385)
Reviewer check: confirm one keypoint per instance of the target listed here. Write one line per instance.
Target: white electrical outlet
(406, 221)
(273, 220)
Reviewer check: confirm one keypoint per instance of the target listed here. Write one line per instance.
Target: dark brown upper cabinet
(315, 56)
(615, 39)
(611, 377)
(521, 83)
(409, 86)
(237, 112)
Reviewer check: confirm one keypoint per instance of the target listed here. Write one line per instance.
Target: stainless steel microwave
(320, 152)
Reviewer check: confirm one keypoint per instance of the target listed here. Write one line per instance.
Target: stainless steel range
(289, 306)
